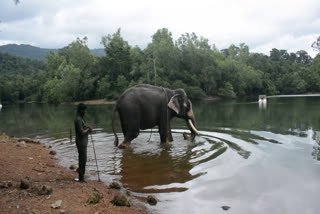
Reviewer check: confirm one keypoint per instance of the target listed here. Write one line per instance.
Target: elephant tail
(116, 140)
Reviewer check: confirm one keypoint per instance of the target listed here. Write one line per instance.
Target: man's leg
(82, 163)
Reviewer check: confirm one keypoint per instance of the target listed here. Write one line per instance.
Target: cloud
(263, 25)
(289, 43)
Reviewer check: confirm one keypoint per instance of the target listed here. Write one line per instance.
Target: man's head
(82, 109)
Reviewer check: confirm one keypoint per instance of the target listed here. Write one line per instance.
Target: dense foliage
(74, 73)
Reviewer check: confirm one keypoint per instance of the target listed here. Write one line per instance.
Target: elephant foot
(187, 137)
(123, 146)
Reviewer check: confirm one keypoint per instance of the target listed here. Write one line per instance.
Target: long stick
(94, 151)
(70, 135)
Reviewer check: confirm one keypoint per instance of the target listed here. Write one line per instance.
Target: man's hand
(90, 129)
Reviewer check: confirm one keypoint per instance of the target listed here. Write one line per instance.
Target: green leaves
(190, 62)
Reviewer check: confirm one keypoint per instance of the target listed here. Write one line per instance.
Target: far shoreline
(91, 102)
(203, 99)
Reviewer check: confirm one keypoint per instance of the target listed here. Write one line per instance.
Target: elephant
(145, 106)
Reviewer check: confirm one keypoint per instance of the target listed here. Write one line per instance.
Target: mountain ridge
(33, 52)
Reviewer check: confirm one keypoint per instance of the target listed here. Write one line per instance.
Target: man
(82, 132)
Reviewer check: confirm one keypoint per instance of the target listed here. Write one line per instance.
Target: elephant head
(182, 106)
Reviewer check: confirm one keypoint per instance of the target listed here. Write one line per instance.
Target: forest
(73, 73)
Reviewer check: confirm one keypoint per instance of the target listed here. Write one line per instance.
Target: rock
(25, 183)
(225, 207)
(28, 140)
(120, 199)
(302, 134)
(50, 147)
(42, 190)
(128, 192)
(2, 141)
(57, 204)
(94, 198)
(73, 167)
(21, 144)
(38, 170)
(5, 184)
(52, 152)
(62, 211)
(114, 185)
(152, 200)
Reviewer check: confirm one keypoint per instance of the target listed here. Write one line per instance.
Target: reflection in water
(263, 105)
(140, 170)
(157, 167)
(256, 160)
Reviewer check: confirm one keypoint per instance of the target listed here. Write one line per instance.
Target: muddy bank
(32, 182)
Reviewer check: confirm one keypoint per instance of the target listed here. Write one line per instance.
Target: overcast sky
(292, 25)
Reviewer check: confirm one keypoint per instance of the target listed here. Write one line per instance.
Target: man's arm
(79, 128)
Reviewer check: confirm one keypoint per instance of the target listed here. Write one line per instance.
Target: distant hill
(33, 52)
(98, 51)
(11, 64)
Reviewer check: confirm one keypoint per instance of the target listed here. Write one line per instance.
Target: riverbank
(32, 182)
(91, 102)
(104, 102)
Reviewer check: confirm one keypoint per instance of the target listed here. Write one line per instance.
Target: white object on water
(0, 105)
(262, 98)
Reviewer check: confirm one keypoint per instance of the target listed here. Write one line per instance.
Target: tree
(78, 54)
(316, 45)
(303, 58)
(275, 54)
(117, 62)
(117, 54)
(227, 91)
(71, 73)
(162, 56)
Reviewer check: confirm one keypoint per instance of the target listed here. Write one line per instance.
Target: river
(252, 157)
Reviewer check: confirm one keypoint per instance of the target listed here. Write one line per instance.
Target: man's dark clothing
(82, 131)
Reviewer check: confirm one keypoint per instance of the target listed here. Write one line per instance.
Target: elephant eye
(188, 106)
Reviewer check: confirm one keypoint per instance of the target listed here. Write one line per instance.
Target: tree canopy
(73, 73)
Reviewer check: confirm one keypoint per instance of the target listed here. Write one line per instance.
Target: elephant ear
(174, 104)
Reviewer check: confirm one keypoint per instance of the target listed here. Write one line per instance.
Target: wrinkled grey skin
(145, 106)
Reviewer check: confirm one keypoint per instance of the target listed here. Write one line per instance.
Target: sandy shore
(19, 160)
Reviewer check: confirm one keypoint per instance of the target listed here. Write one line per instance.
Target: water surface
(254, 158)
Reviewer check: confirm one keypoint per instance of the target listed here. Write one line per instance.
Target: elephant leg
(123, 127)
(170, 138)
(124, 144)
(163, 133)
(130, 135)
(130, 132)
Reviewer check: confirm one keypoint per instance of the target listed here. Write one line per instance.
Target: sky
(291, 25)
